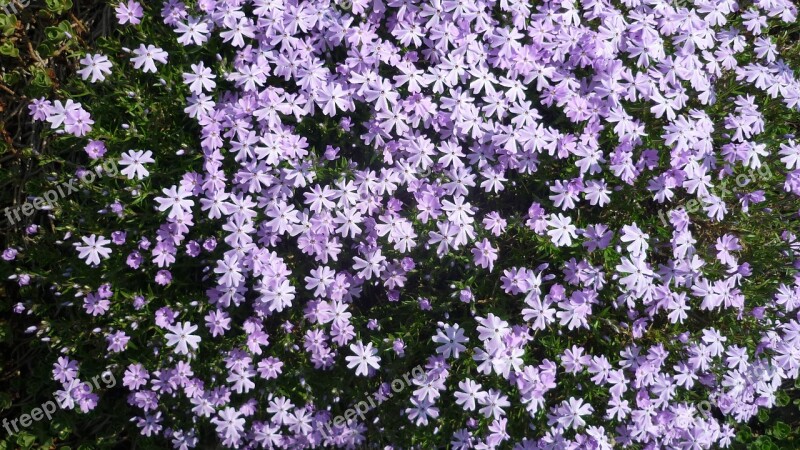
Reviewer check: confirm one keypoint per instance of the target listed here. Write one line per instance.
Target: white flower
(94, 249)
(365, 357)
(176, 201)
(181, 337)
(147, 56)
(135, 160)
(636, 239)
(569, 414)
(96, 66)
(562, 232)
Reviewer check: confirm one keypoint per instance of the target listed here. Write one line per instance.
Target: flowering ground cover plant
(580, 218)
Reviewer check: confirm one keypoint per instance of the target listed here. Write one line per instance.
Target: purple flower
(134, 260)
(95, 149)
(65, 370)
(164, 317)
(104, 291)
(484, 254)
(163, 277)
(96, 305)
(139, 302)
(117, 341)
(118, 237)
(210, 244)
(95, 68)
(130, 12)
(181, 337)
(10, 254)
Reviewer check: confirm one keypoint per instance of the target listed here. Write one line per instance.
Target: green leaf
(25, 440)
(782, 399)
(40, 83)
(12, 78)
(54, 34)
(8, 23)
(58, 6)
(5, 401)
(45, 49)
(7, 48)
(781, 430)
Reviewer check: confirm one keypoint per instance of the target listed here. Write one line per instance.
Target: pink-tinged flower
(366, 358)
(218, 322)
(117, 341)
(164, 317)
(95, 67)
(484, 254)
(24, 279)
(181, 337)
(130, 12)
(163, 277)
(495, 223)
(270, 367)
(93, 249)
(135, 377)
(146, 58)
(95, 149)
(134, 160)
(40, 108)
(65, 370)
(78, 122)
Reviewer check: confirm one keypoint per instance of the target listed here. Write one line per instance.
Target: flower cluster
(347, 152)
